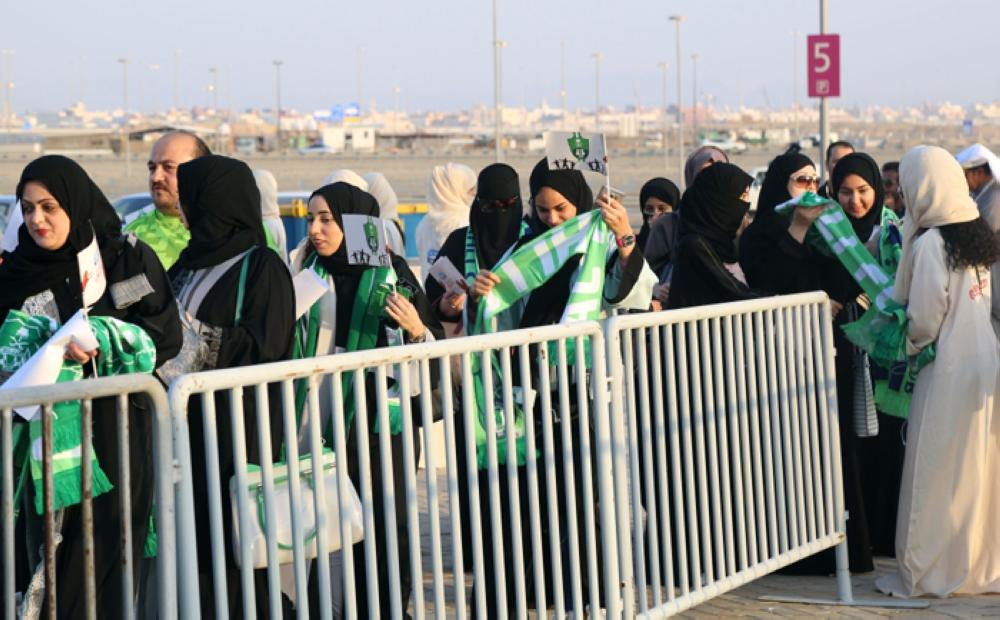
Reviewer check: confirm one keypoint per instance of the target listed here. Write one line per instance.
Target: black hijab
(661, 188)
(343, 199)
(775, 188)
(29, 269)
(713, 208)
(221, 202)
(865, 167)
(495, 217)
(569, 183)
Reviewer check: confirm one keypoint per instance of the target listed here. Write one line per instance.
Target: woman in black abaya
(41, 277)
(227, 260)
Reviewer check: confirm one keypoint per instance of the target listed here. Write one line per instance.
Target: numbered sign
(824, 65)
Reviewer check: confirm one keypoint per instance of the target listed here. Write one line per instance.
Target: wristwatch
(421, 338)
(626, 241)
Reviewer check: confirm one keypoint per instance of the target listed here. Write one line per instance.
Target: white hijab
(270, 211)
(936, 194)
(347, 176)
(450, 191)
(379, 187)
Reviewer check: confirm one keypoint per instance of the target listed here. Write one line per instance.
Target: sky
(440, 53)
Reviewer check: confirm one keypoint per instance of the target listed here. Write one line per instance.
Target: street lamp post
(562, 82)
(497, 113)
(215, 105)
(277, 105)
(666, 158)
(361, 101)
(677, 19)
(597, 56)
(694, 99)
(395, 112)
(177, 79)
(8, 86)
(795, 83)
(824, 118)
(125, 137)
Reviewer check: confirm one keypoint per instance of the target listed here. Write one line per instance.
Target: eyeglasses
(805, 181)
(657, 210)
(489, 206)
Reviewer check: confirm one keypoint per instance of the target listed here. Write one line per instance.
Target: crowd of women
(228, 301)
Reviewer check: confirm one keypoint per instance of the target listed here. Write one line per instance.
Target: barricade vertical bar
(733, 415)
(322, 563)
(815, 449)
(454, 504)
(706, 541)
(433, 506)
(723, 415)
(712, 484)
(552, 501)
(762, 422)
(605, 481)
(680, 430)
(790, 415)
(531, 467)
(7, 498)
(586, 465)
(361, 426)
(341, 520)
(827, 396)
(475, 516)
(620, 442)
(798, 351)
(749, 441)
(493, 469)
(48, 492)
(388, 497)
(791, 508)
(513, 490)
(187, 571)
(652, 508)
(774, 417)
(125, 493)
(410, 481)
(632, 446)
(87, 512)
(238, 426)
(569, 478)
(662, 491)
(294, 490)
(217, 542)
(166, 506)
(270, 516)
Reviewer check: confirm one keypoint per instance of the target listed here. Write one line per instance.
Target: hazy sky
(439, 52)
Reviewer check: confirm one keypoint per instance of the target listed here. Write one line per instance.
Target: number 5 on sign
(824, 65)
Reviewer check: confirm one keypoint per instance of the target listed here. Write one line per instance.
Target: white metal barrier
(561, 499)
(725, 422)
(90, 392)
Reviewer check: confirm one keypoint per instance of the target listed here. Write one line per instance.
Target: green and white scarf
(523, 271)
(125, 349)
(375, 286)
(166, 234)
(881, 331)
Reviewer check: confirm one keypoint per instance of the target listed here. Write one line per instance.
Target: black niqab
(661, 188)
(714, 209)
(345, 199)
(221, 202)
(865, 167)
(29, 269)
(775, 188)
(495, 217)
(569, 183)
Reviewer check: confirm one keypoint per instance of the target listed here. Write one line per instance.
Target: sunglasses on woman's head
(806, 180)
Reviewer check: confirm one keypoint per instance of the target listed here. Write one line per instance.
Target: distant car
(127, 204)
(758, 174)
(7, 202)
(317, 149)
(729, 146)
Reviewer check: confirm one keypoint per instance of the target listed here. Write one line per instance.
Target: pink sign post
(824, 65)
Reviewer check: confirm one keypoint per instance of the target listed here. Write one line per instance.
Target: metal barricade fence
(726, 446)
(541, 534)
(128, 426)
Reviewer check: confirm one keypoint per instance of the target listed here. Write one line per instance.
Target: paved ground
(741, 603)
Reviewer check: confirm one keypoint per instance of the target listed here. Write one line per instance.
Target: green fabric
(366, 317)
(881, 331)
(521, 272)
(271, 243)
(164, 233)
(124, 348)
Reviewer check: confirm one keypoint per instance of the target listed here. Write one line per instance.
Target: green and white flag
(576, 150)
(523, 271)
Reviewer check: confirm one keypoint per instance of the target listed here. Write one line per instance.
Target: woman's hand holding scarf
(405, 314)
